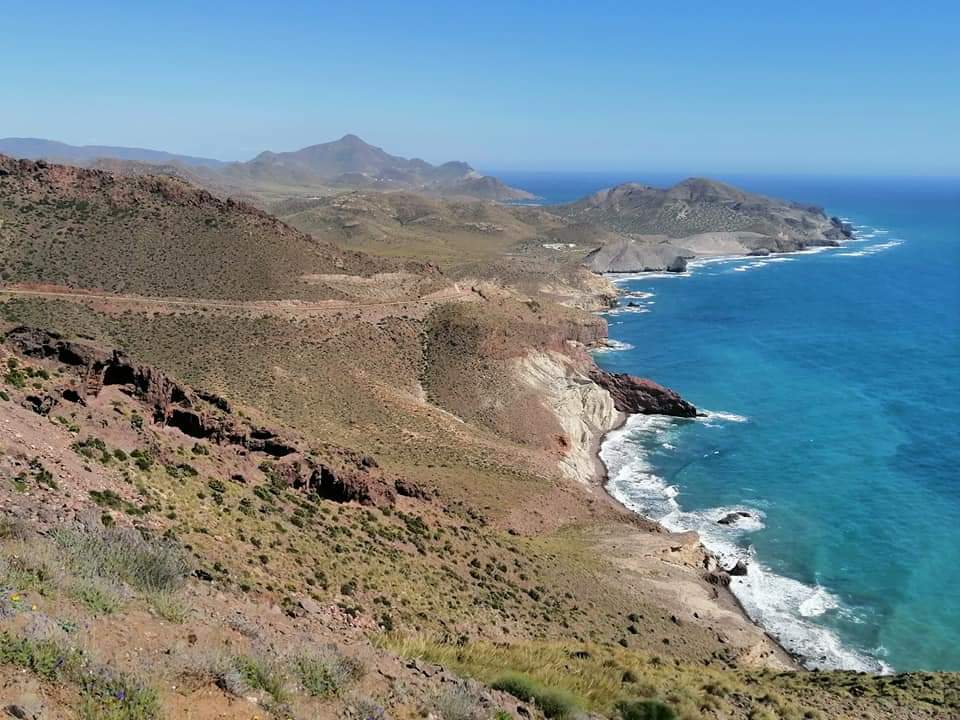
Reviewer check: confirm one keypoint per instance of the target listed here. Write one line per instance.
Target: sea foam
(785, 607)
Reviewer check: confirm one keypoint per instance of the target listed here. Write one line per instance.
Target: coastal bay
(800, 387)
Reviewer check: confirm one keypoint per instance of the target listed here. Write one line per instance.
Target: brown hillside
(156, 235)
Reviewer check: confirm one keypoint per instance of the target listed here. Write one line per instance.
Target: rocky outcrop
(641, 396)
(733, 517)
(347, 476)
(739, 569)
(199, 415)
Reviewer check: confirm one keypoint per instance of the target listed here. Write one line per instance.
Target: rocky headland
(663, 228)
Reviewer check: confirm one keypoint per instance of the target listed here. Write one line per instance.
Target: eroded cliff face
(584, 410)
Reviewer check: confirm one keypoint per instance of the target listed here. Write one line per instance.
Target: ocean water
(830, 381)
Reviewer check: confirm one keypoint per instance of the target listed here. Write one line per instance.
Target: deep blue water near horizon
(830, 381)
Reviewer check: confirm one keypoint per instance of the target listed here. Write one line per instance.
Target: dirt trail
(453, 293)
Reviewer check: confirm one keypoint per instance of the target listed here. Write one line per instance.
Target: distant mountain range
(53, 151)
(345, 163)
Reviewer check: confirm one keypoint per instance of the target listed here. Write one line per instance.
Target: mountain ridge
(346, 162)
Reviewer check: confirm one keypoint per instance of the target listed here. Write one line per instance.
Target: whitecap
(818, 603)
(873, 249)
(719, 415)
(784, 606)
(611, 346)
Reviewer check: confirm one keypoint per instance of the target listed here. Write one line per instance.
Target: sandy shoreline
(724, 598)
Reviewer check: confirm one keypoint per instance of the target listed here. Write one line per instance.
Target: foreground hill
(356, 509)
(318, 169)
(664, 227)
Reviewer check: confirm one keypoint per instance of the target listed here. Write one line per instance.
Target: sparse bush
(93, 448)
(259, 673)
(12, 528)
(456, 702)
(169, 607)
(96, 594)
(147, 564)
(364, 708)
(326, 673)
(105, 695)
(113, 696)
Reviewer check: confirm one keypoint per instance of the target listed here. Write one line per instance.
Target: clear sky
(818, 87)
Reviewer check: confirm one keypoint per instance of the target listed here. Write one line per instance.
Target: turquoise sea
(830, 382)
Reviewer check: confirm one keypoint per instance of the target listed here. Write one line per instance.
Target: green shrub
(553, 702)
(520, 686)
(98, 598)
(142, 459)
(106, 498)
(645, 710)
(41, 657)
(15, 378)
(260, 674)
(168, 606)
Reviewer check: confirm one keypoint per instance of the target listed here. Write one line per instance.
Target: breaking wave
(785, 607)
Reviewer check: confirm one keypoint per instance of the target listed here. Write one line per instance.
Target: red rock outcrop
(348, 476)
(641, 396)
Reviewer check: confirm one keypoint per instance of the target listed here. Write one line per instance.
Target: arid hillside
(157, 235)
(528, 248)
(343, 484)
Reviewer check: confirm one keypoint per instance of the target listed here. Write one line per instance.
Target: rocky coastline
(632, 395)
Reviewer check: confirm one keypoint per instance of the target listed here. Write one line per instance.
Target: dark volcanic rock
(740, 568)
(40, 404)
(718, 577)
(351, 485)
(731, 518)
(410, 489)
(641, 396)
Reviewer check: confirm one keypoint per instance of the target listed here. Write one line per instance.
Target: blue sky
(814, 87)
